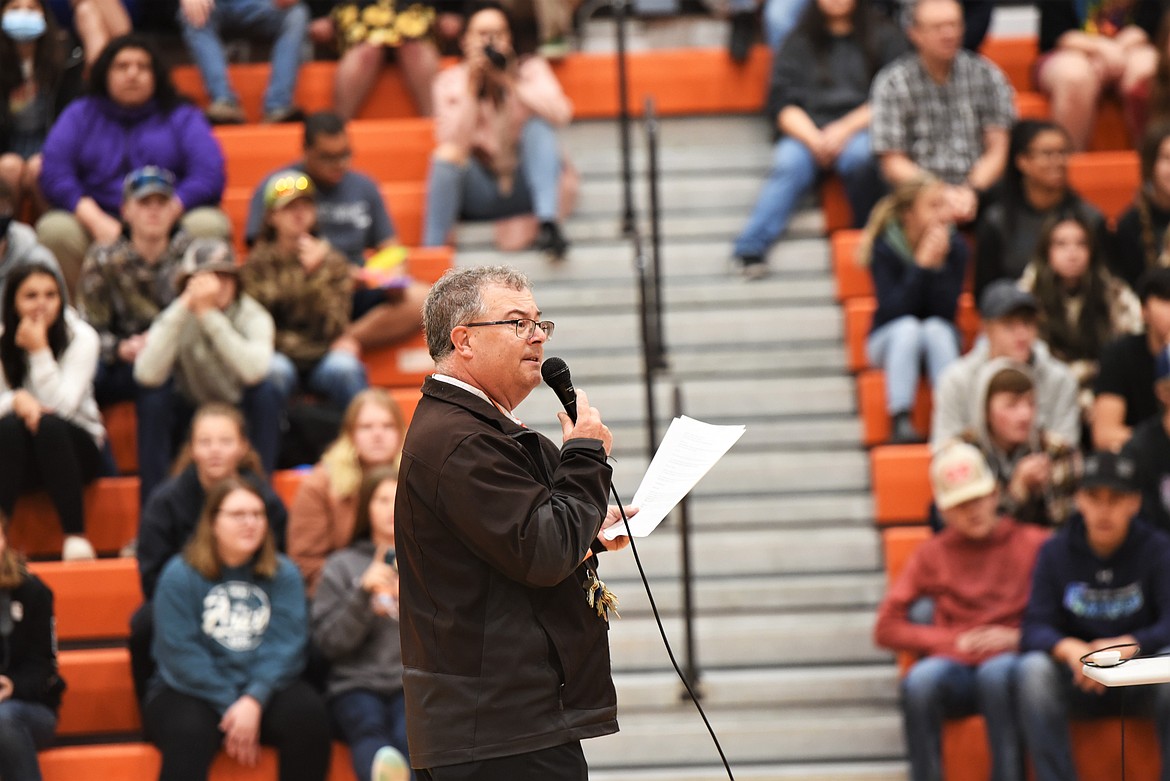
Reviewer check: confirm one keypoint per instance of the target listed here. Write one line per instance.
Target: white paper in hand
(688, 451)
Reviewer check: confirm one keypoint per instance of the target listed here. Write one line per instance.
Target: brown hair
(13, 570)
(201, 552)
(363, 529)
(341, 458)
(219, 409)
(1009, 380)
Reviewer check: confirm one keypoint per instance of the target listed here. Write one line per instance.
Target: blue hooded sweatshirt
(1076, 594)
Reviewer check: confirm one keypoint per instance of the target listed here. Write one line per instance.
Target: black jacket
(501, 653)
(28, 655)
(173, 511)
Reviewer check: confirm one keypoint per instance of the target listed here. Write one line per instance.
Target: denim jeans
(1047, 698)
(937, 688)
(164, 416)
(339, 376)
(780, 19)
(259, 18)
(366, 721)
(470, 191)
(899, 346)
(25, 727)
(794, 171)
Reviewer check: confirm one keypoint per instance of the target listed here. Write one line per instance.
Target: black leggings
(61, 458)
(186, 731)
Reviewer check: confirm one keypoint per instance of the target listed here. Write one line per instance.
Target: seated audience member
(96, 22)
(977, 571)
(125, 285)
(30, 688)
(1034, 190)
(213, 343)
(1125, 379)
(217, 449)
(942, 110)
(819, 102)
(283, 21)
(51, 432)
(1102, 580)
(918, 262)
(1149, 448)
(1035, 469)
(321, 518)
(1082, 306)
(1140, 238)
(37, 78)
(230, 639)
(306, 286)
(1088, 48)
(355, 625)
(495, 125)
(18, 242)
(1009, 331)
(132, 117)
(364, 41)
(352, 217)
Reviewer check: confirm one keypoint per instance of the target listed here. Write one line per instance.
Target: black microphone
(556, 375)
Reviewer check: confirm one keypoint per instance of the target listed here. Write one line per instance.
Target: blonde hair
(201, 552)
(341, 459)
(893, 206)
(218, 409)
(13, 570)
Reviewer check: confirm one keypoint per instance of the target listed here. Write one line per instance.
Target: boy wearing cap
(977, 571)
(1150, 450)
(306, 285)
(1103, 580)
(124, 285)
(1010, 331)
(1125, 382)
(213, 343)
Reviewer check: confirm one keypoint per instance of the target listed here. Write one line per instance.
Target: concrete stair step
(727, 595)
(715, 291)
(751, 736)
(743, 640)
(812, 510)
(726, 554)
(788, 686)
(597, 364)
(876, 770)
(677, 191)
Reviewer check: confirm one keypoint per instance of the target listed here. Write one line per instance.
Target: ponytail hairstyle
(893, 207)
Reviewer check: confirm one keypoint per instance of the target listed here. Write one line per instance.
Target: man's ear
(461, 340)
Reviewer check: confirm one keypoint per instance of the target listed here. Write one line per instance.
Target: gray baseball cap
(1002, 298)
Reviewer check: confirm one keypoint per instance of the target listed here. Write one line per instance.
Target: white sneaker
(389, 765)
(77, 548)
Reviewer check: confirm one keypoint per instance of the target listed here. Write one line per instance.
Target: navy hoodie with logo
(1077, 594)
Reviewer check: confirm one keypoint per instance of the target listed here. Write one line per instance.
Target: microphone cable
(662, 631)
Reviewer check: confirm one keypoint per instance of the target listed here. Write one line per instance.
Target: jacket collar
(452, 394)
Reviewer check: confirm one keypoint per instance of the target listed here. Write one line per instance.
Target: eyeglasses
(239, 516)
(525, 327)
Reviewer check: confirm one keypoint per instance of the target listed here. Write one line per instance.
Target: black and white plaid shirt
(939, 126)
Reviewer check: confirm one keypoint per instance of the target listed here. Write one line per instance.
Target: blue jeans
(25, 727)
(339, 376)
(780, 19)
(259, 18)
(164, 416)
(794, 171)
(367, 721)
(899, 346)
(1047, 697)
(471, 191)
(937, 688)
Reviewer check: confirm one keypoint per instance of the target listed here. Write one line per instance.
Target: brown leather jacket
(502, 654)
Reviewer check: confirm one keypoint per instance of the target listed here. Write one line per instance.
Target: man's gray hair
(457, 298)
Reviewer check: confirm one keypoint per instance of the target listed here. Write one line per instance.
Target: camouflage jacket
(120, 293)
(310, 310)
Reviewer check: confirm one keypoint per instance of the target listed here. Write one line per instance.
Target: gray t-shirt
(351, 216)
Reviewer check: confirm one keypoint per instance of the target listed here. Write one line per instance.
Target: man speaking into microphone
(504, 620)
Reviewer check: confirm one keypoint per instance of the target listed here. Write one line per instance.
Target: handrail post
(620, 15)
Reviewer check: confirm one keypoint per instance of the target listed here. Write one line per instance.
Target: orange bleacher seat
(387, 150)
(111, 518)
(900, 478)
(99, 698)
(405, 365)
(92, 599)
(1108, 180)
(122, 431)
(1015, 57)
(835, 206)
(136, 761)
(853, 279)
(871, 402)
